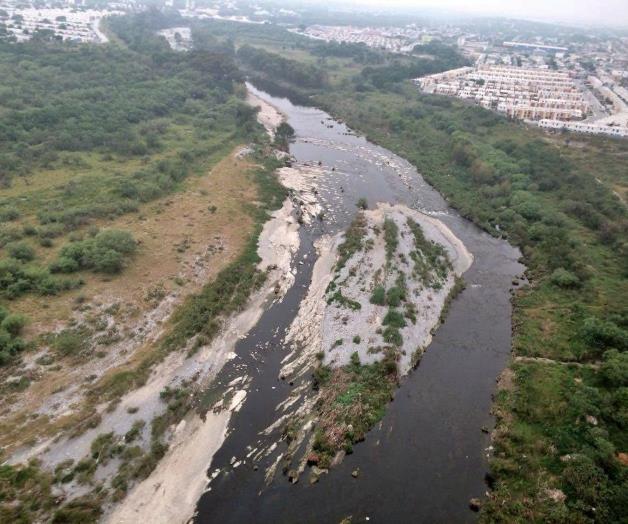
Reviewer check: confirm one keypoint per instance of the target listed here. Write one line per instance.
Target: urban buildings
(528, 94)
(393, 39)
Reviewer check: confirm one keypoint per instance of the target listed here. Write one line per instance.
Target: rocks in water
(312, 459)
(338, 458)
(293, 476)
(316, 473)
(490, 480)
(475, 504)
(355, 473)
(485, 429)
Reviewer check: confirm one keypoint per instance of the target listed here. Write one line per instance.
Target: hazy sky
(612, 12)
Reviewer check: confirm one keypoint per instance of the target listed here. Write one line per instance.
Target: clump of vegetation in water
(352, 400)
(362, 204)
(283, 135)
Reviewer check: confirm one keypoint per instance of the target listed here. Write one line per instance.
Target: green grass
(352, 400)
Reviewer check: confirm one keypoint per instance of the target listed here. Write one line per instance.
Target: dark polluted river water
(427, 457)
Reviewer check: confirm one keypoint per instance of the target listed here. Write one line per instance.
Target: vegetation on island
(352, 398)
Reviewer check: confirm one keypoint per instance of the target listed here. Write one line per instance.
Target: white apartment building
(580, 127)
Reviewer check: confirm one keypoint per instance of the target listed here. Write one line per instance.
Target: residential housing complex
(529, 94)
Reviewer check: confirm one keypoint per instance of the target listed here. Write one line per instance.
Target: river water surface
(428, 456)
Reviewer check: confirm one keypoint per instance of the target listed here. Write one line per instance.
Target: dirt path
(542, 360)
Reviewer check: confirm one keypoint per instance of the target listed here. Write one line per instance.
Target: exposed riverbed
(427, 457)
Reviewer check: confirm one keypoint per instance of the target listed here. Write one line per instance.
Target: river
(428, 456)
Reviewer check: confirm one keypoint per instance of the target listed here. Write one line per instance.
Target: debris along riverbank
(378, 292)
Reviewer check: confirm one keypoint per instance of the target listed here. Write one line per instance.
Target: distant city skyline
(583, 12)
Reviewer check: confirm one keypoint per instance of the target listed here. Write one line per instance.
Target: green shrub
(29, 230)
(17, 279)
(562, 278)
(353, 242)
(392, 336)
(9, 214)
(321, 374)
(584, 480)
(391, 237)
(78, 511)
(70, 341)
(379, 296)
(604, 334)
(394, 296)
(64, 264)
(10, 234)
(395, 319)
(21, 251)
(104, 253)
(13, 324)
(614, 370)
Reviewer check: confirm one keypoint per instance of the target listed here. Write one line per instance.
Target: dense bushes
(107, 252)
(21, 251)
(66, 97)
(10, 342)
(562, 278)
(17, 278)
(279, 68)
(604, 334)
